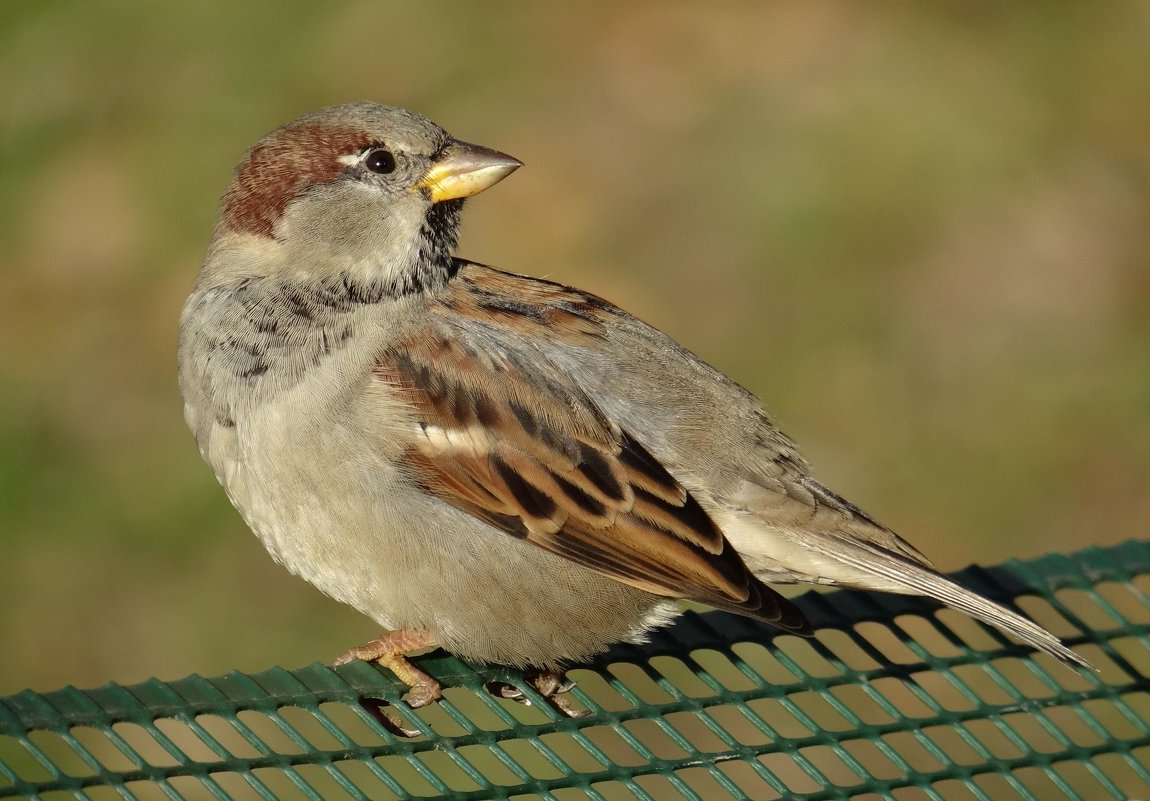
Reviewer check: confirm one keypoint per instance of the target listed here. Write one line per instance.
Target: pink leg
(390, 650)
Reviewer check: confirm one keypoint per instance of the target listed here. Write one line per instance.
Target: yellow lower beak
(465, 170)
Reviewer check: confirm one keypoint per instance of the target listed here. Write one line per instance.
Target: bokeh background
(920, 234)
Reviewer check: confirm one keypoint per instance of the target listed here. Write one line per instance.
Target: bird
(512, 469)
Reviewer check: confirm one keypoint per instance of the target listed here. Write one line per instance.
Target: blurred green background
(920, 234)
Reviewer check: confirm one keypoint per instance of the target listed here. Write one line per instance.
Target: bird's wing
(714, 408)
(725, 447)
(507, 436)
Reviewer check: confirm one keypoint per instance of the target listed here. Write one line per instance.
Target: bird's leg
(552, 685)
(390, 650)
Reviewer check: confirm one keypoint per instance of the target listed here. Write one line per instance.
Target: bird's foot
(552, 685)
(390, 650)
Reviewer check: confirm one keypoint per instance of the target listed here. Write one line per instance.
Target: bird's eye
(380, 161)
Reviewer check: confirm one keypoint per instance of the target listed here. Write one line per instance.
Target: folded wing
(504, 435)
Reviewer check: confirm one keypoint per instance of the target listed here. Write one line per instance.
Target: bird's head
(361, 190)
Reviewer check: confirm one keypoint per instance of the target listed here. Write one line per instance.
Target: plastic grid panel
(893, 699)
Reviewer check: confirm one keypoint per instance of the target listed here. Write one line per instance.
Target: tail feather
(919, 580)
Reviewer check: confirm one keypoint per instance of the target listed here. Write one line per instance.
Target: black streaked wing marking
(545, 464)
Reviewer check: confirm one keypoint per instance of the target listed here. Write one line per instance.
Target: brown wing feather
(534, 308)
(509, 439)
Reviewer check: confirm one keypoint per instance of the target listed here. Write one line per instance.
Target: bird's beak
(465, 170)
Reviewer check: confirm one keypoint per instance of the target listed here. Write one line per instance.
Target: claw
(389, 650)
(501, 689)
(377, 709)
(550, 684)
(554, 686)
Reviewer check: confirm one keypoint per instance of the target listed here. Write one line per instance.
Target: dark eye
(380, 161)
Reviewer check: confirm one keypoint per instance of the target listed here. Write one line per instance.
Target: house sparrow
(515, 470)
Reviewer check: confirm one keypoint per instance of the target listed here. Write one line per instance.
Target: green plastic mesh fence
(894, 699)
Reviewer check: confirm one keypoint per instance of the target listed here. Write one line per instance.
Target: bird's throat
(423, 264)
(437, 240)
(426, 265)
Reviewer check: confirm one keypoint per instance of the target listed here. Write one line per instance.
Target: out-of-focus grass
(920, 235)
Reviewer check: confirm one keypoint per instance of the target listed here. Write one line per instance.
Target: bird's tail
(869, 566)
